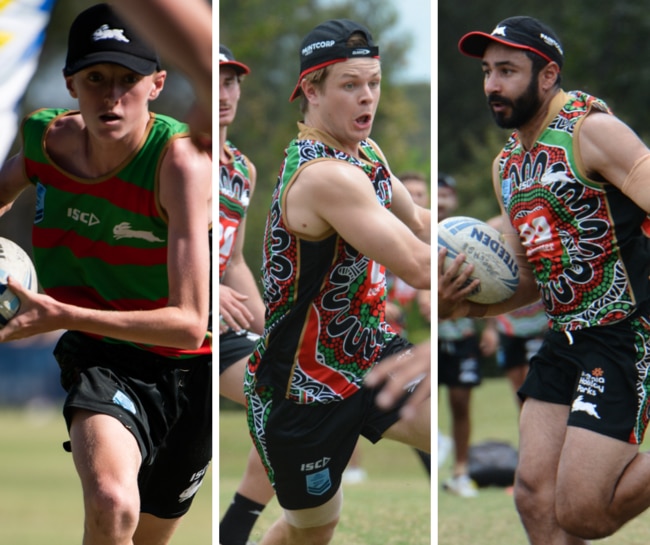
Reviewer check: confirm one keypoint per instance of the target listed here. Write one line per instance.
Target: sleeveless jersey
(102, 243)
(325, 301)
(234, 198)
(583, 237)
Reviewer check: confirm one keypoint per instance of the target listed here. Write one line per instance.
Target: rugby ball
(484, 247)
(14, 262)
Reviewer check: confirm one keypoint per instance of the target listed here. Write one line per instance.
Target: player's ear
(158, 82)
(549, 75)
(69, 85)
(308, 89)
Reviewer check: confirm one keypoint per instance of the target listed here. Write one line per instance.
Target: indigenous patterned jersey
(325, 301)
(234, 197)
(582, 236)
(102, 243)
(528, 321)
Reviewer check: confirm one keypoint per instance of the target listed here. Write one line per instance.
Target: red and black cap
(226, 58)
(520, 32)
(327, 44)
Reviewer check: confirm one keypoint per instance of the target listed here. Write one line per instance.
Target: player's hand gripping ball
(484, 247)
(14, 262)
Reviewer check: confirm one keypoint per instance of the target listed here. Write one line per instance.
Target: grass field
(491, 518)
(40, 494)
(392, 507)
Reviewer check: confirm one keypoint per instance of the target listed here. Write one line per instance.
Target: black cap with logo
(327, 44)
(521, 32)
(99, 35)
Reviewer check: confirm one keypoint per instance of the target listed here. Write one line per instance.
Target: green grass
(491, 518)
(40, 494)
(392, 507)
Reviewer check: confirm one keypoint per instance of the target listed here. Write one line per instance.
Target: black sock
(238, 521)
(426, 460)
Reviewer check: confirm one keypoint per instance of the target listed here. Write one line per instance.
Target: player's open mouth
(109, 117)
(363, 120)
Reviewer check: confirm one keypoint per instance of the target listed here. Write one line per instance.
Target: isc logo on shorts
(319, 464)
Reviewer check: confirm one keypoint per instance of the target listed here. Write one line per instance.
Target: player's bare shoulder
(65, 137)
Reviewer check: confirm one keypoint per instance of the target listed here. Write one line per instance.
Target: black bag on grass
(492, 463)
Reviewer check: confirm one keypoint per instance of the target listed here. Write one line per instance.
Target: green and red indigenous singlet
(582, 236)
(325, 301)
(102, 243)
(234, 198)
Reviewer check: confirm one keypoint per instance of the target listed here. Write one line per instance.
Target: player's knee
(318, 535)
(533, 500)
(585, 519)
(112, 511)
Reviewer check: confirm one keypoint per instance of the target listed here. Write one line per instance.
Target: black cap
(521, 32)
(445, 180)
(99, 35)
(226, 58)
(327, 44)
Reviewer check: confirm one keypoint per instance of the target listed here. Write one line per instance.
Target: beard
(522, 109)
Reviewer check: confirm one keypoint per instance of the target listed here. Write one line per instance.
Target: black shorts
(601, 373)
(458, 363)
(516, 352)
(166, 404)
(306, 448)
(235, 346)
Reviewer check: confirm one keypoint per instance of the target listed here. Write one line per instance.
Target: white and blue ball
(494, 262)
(14, 262)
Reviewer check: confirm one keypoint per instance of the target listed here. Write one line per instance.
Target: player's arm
(336, 196)
(239, 313)
(185, 185)
(612, 151)
(417, 219)
(12, 182)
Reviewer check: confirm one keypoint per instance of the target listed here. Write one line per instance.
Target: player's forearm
(171, 326)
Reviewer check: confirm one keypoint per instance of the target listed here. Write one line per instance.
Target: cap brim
(239, 67)
(137, 64)
(474, 44)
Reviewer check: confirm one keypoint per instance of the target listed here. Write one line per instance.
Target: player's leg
(602, 478)
(459, 404)
(307, 447)
(254, 490)
(415, 432)
(313, 526)
(231, 381)
(109, 477)
(155, 531)
(541, 436)
(602, 483)
(169, 484)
